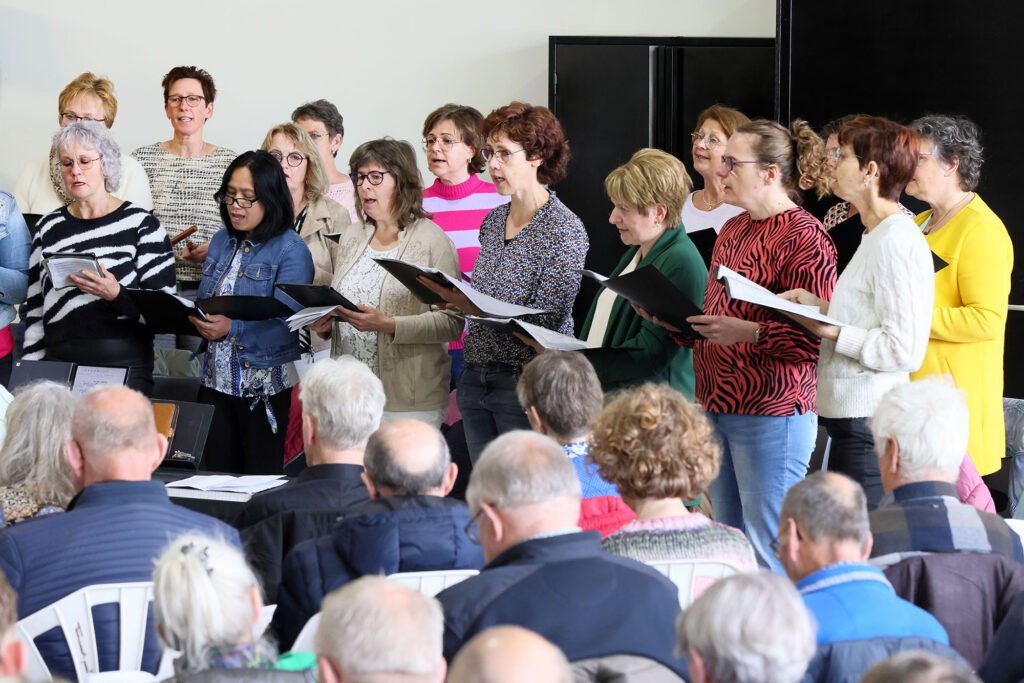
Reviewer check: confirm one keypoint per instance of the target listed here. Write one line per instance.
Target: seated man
(921, 431)
(561, 394)
(747, 628)
(824, 543)
(406, 526)
(113, 530)
(373, 629)
(509, 654)
(546, 575)
(342, 403)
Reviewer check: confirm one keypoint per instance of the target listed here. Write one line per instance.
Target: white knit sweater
(885, 297)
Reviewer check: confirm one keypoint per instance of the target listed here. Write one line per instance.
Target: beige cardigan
(323, 217)
(414, 364)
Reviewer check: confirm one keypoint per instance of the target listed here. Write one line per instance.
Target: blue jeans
(1013, 415)
(762, 457)
(486, 396)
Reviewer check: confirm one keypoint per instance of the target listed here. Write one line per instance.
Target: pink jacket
(971, 489)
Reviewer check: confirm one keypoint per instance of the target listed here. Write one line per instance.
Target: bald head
(408, 457)
(509, 654)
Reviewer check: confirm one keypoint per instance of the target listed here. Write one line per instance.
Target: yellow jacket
(969, 322)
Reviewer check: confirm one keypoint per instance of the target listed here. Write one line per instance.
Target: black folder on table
(168, 314)
(406, 273)
(190, 432)
(25, 371)
(316, 296)
(649, 289)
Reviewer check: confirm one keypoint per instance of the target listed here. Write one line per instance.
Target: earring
(866, 181)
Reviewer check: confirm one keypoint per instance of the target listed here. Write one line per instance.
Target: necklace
(934, 225)
(707, 206)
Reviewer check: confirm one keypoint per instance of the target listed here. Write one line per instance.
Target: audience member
(747, 628)
(13, 652)
(87, 98)
(325, 125)
(921, 434)
(35, 475)
(920, 667)
(824, 543)
(114, 529)
(342, 402)
(1004, 658)
(561, 394)
(509, 654)
(406, 526)
(660, 450)
(15, 245)
(545, 574)
(206, 602)
(375, 630)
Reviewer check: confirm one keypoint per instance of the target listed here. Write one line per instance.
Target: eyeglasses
(709, 141)
(730, 163)
(193, 100)
(446, 142)
(242, 202)
(501, 155)
(776, 545)
(83, 163)
(375, 177)
(471, 531)
(293, 159)
(832, 154)
(317, 136)
(924, 155)
(67, 117)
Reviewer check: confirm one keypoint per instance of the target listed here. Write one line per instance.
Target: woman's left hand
(815, 327)
(214, 328)
(106, 287)
(723, 329)
(802, 296)
(367, 320)
(530, 341)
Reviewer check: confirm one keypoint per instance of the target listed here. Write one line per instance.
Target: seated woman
(95, 322)
(249, 362)
(659, 449)
(402, 340)
(35, 477)
(206, 601)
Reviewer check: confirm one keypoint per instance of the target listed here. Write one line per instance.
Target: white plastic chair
(432, 583)
(693, 577)
(73, 615)
(122, 677)
(304, 641)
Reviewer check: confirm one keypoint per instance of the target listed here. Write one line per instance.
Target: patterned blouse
(539, 268)
(363, 283)
(691, 537)
(778, 375)
(17, 504)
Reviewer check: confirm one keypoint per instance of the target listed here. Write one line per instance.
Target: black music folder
(649, 289)
(316, 296)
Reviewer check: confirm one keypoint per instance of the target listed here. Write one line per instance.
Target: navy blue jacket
(381, 536)
(586, 601)
(112, 532)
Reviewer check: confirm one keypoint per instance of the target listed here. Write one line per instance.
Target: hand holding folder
(165, 313)
(650, 290)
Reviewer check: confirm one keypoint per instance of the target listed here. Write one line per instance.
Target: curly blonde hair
(652, 442)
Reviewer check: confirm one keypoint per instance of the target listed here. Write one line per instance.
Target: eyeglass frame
(445, 145)
(697, 137)
(75, 118)
(85, 165)
(472, 532)
(730, 162)
(186, 98)
(281, 158)
(237, 201)
(501, 155)
(358, 178)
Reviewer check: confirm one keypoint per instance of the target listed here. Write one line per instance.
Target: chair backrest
(304, 641)
(73, 615)
(693, 577)
(432, 583)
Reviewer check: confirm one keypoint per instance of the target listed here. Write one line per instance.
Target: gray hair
(930, 421)
(564, 389)
(374, 626)
(38, 424)
(202, 597)
(520, 468)
(346, 399)
(94, 135)
(770, 640)
(385, 468)
(918, 666)
(323, 111)
(954, 138)
(829, 507)
(101, 430)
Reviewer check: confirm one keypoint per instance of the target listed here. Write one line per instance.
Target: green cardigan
(634, 350)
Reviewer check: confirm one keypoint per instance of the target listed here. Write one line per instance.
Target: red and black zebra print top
(777, 376)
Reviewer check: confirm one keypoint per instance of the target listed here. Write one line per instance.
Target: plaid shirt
(927, 517)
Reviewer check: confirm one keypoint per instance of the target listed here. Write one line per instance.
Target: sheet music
(89, 376)
(249, 483)
(743, 289)
(307, 316)
(60, 267)
(549, 339)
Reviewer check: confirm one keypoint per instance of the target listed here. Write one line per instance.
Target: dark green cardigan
(634, 350)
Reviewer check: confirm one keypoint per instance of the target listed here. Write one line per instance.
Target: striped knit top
(183, 192)
(688, 537)
(128, 241)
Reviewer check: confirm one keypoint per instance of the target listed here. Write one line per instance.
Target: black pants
(853, 453)
(240, 440)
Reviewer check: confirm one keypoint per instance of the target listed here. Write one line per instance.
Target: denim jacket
(284, 258)
(15, 244)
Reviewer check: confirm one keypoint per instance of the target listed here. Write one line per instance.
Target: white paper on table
(249, 483)
(549, 339)
(307, 316)
(60, 267)
(743, 289)
(89, 376)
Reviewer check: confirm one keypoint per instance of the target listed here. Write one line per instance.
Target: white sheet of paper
(303, 364)
(60, 268)
(250, 483)
(596, 276)
(744, 289)
(488, 305)
(549, 339)
(89, 376)
(307, 316)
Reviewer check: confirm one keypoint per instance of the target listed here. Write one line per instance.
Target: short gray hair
(384, 466)
(520, 468)
(930, 421)
(202, 597)
(564, 389)
(918, 666)
(377, 626)
(100, 430)
(954, 138)
(829, 507)
(770, 640)
(94, 135)
(346, 399)
(38, 424)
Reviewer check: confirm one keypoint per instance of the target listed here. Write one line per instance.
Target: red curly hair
(538, 131)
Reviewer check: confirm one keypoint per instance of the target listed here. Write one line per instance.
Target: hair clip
(203, 555)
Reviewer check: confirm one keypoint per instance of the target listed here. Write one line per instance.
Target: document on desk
(249, 483)
(739, 287)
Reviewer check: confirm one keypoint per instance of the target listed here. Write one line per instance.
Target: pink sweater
(459, 210)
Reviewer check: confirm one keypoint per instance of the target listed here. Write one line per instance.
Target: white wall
(385, 63)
